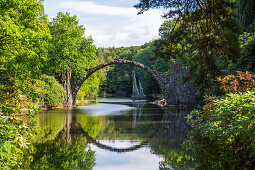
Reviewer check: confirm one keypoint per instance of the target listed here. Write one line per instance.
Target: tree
(246, 14)
(147, 57)
(208, 29)
(70, 53)
(247, 60)
(24, 37)
(118, 80)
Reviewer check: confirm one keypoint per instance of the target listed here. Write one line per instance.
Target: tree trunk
(68, 99)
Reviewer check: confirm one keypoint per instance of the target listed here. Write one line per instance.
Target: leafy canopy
(205, 30)
(70, 49)
(24, 37)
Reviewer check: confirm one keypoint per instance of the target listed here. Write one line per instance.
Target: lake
(111, 134)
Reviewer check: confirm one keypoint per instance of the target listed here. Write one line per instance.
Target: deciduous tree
(209, 30)
(70, 53)
(24, 37)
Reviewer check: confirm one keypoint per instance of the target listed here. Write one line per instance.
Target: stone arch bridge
(174, 91)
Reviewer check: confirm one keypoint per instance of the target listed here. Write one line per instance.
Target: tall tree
(247, 60)
(24, 37)
(70, 53)
(147, 57)
(246, 14)
(208, 28)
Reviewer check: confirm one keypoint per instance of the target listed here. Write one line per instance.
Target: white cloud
(93, 8)
(109, 25)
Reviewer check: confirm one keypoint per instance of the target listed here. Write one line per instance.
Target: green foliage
(147, 57)
(119, 80)
(247, 60)
(246, 14)
(56, 155)
(223, 134)
(176, 52)
(205, 31)
(118, 77)
(16, 132)
(70, 50)
(45, 90)
(24, 37)
(53, 91)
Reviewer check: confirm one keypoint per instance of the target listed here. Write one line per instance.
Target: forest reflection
(69, 134)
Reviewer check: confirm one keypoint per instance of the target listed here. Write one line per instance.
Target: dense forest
(214, 40)
(117, 79)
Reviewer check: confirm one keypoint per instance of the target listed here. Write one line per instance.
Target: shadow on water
(154, 134)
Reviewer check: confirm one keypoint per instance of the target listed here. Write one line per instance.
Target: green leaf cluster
(24, 37)
(222, 137)
(57, 155)
(16, 132)
(247, 60)
(46, 91)
(70, 50)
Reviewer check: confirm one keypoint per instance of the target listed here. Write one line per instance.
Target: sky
(110, 22)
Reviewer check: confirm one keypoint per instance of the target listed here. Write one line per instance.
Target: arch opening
(160, 78)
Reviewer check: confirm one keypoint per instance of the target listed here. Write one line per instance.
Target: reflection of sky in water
(119, 143)
(117, 100)
(105, 109)
(140, 159)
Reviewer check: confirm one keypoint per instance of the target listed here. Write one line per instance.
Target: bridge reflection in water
(157, 132)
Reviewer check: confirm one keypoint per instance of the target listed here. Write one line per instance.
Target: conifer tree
(246, 14)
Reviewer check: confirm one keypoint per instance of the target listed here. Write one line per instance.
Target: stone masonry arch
(176, 93)
(160, 78)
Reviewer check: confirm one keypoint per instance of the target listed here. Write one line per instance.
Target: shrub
(222, 135)
(239, 83)
(16, 132)
(47, 91)
(53, 91)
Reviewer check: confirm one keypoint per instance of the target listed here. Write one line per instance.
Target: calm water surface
(114, 133)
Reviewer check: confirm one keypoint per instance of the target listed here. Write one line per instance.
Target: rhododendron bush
(223, 132)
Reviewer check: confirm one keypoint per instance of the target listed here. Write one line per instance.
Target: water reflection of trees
(137, 124)
(58, 155)
(163, 131)
(64, 149)
(172, 134)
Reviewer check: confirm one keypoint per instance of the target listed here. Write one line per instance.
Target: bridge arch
(73, 127)
(161, 78)
(113, 149)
